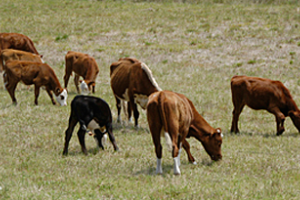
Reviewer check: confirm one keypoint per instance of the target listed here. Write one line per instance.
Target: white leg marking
(104, 139)
(176, 165)
(158, 166)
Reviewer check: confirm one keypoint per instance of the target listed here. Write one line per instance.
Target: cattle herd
(169, 114)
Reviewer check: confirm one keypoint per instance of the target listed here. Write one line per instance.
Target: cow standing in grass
(93, 114)
(132, 81)
(263, 94)
(174, 116)
(33, 73)
(83, 65)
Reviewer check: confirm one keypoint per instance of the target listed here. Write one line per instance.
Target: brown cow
(39, 74)
(266, 94)
(132, 81)
(83, 65)
(16, 41)
(12, 54)
(174, 116)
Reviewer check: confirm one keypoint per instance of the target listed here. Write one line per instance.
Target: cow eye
(62, 97)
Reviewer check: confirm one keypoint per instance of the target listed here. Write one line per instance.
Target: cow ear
(57, 91)
(92, 83)
(218, 133)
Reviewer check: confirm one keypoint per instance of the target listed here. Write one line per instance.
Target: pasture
(193, 48)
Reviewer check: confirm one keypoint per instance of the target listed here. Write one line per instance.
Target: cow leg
(69, 132)
(279, 116)
(118, 104)
(186, 147)
(11, 87)
(235, 117)
(176, 154)
(112, 137)
(136, 113)
(81, 133)
(155, 129)
(50, 95)
(99, 136)
(76, 82)
(158, 151)
(66, 77)
(129, 111)
(36, 94)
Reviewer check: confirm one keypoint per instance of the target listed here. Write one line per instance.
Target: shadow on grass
(169, 168)
(266, 135)
(129, 126)
(90, 151)
(152, 171)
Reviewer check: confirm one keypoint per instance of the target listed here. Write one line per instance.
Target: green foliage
(192, 47)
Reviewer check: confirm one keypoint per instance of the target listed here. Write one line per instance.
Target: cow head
(62, 97)
(212, 144)
(85, 86)
(295, 116)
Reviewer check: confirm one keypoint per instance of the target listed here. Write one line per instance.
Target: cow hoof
(194, 163)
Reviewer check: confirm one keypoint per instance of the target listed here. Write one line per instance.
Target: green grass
(193, 48)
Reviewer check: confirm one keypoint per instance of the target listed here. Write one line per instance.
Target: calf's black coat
(84, 109)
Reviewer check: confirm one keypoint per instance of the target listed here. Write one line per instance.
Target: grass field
(193, 48)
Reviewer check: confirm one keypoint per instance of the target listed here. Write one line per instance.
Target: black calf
(94, 114)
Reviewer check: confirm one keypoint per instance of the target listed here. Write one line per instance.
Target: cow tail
(166, 133)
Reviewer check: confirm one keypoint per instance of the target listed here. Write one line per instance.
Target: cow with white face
(132, 81)
(33, 73)
(62, 97)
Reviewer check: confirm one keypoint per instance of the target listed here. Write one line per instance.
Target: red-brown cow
(39, 74)
(174, 116)
(83, 65)
(132, 81)
(266, 94)
(16, 41)
(12, 54)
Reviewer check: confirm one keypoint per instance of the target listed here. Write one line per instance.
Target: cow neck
(292, 105)
(200, 128)
(54, 83)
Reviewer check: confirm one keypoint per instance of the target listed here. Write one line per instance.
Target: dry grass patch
(193, 48)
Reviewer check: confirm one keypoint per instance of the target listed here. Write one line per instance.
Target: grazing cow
(83, 65)
(266, 94)
(132, 81)
(174, 116)
(16, 41)
(12, 54)
(39, 74)
(94, 114)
